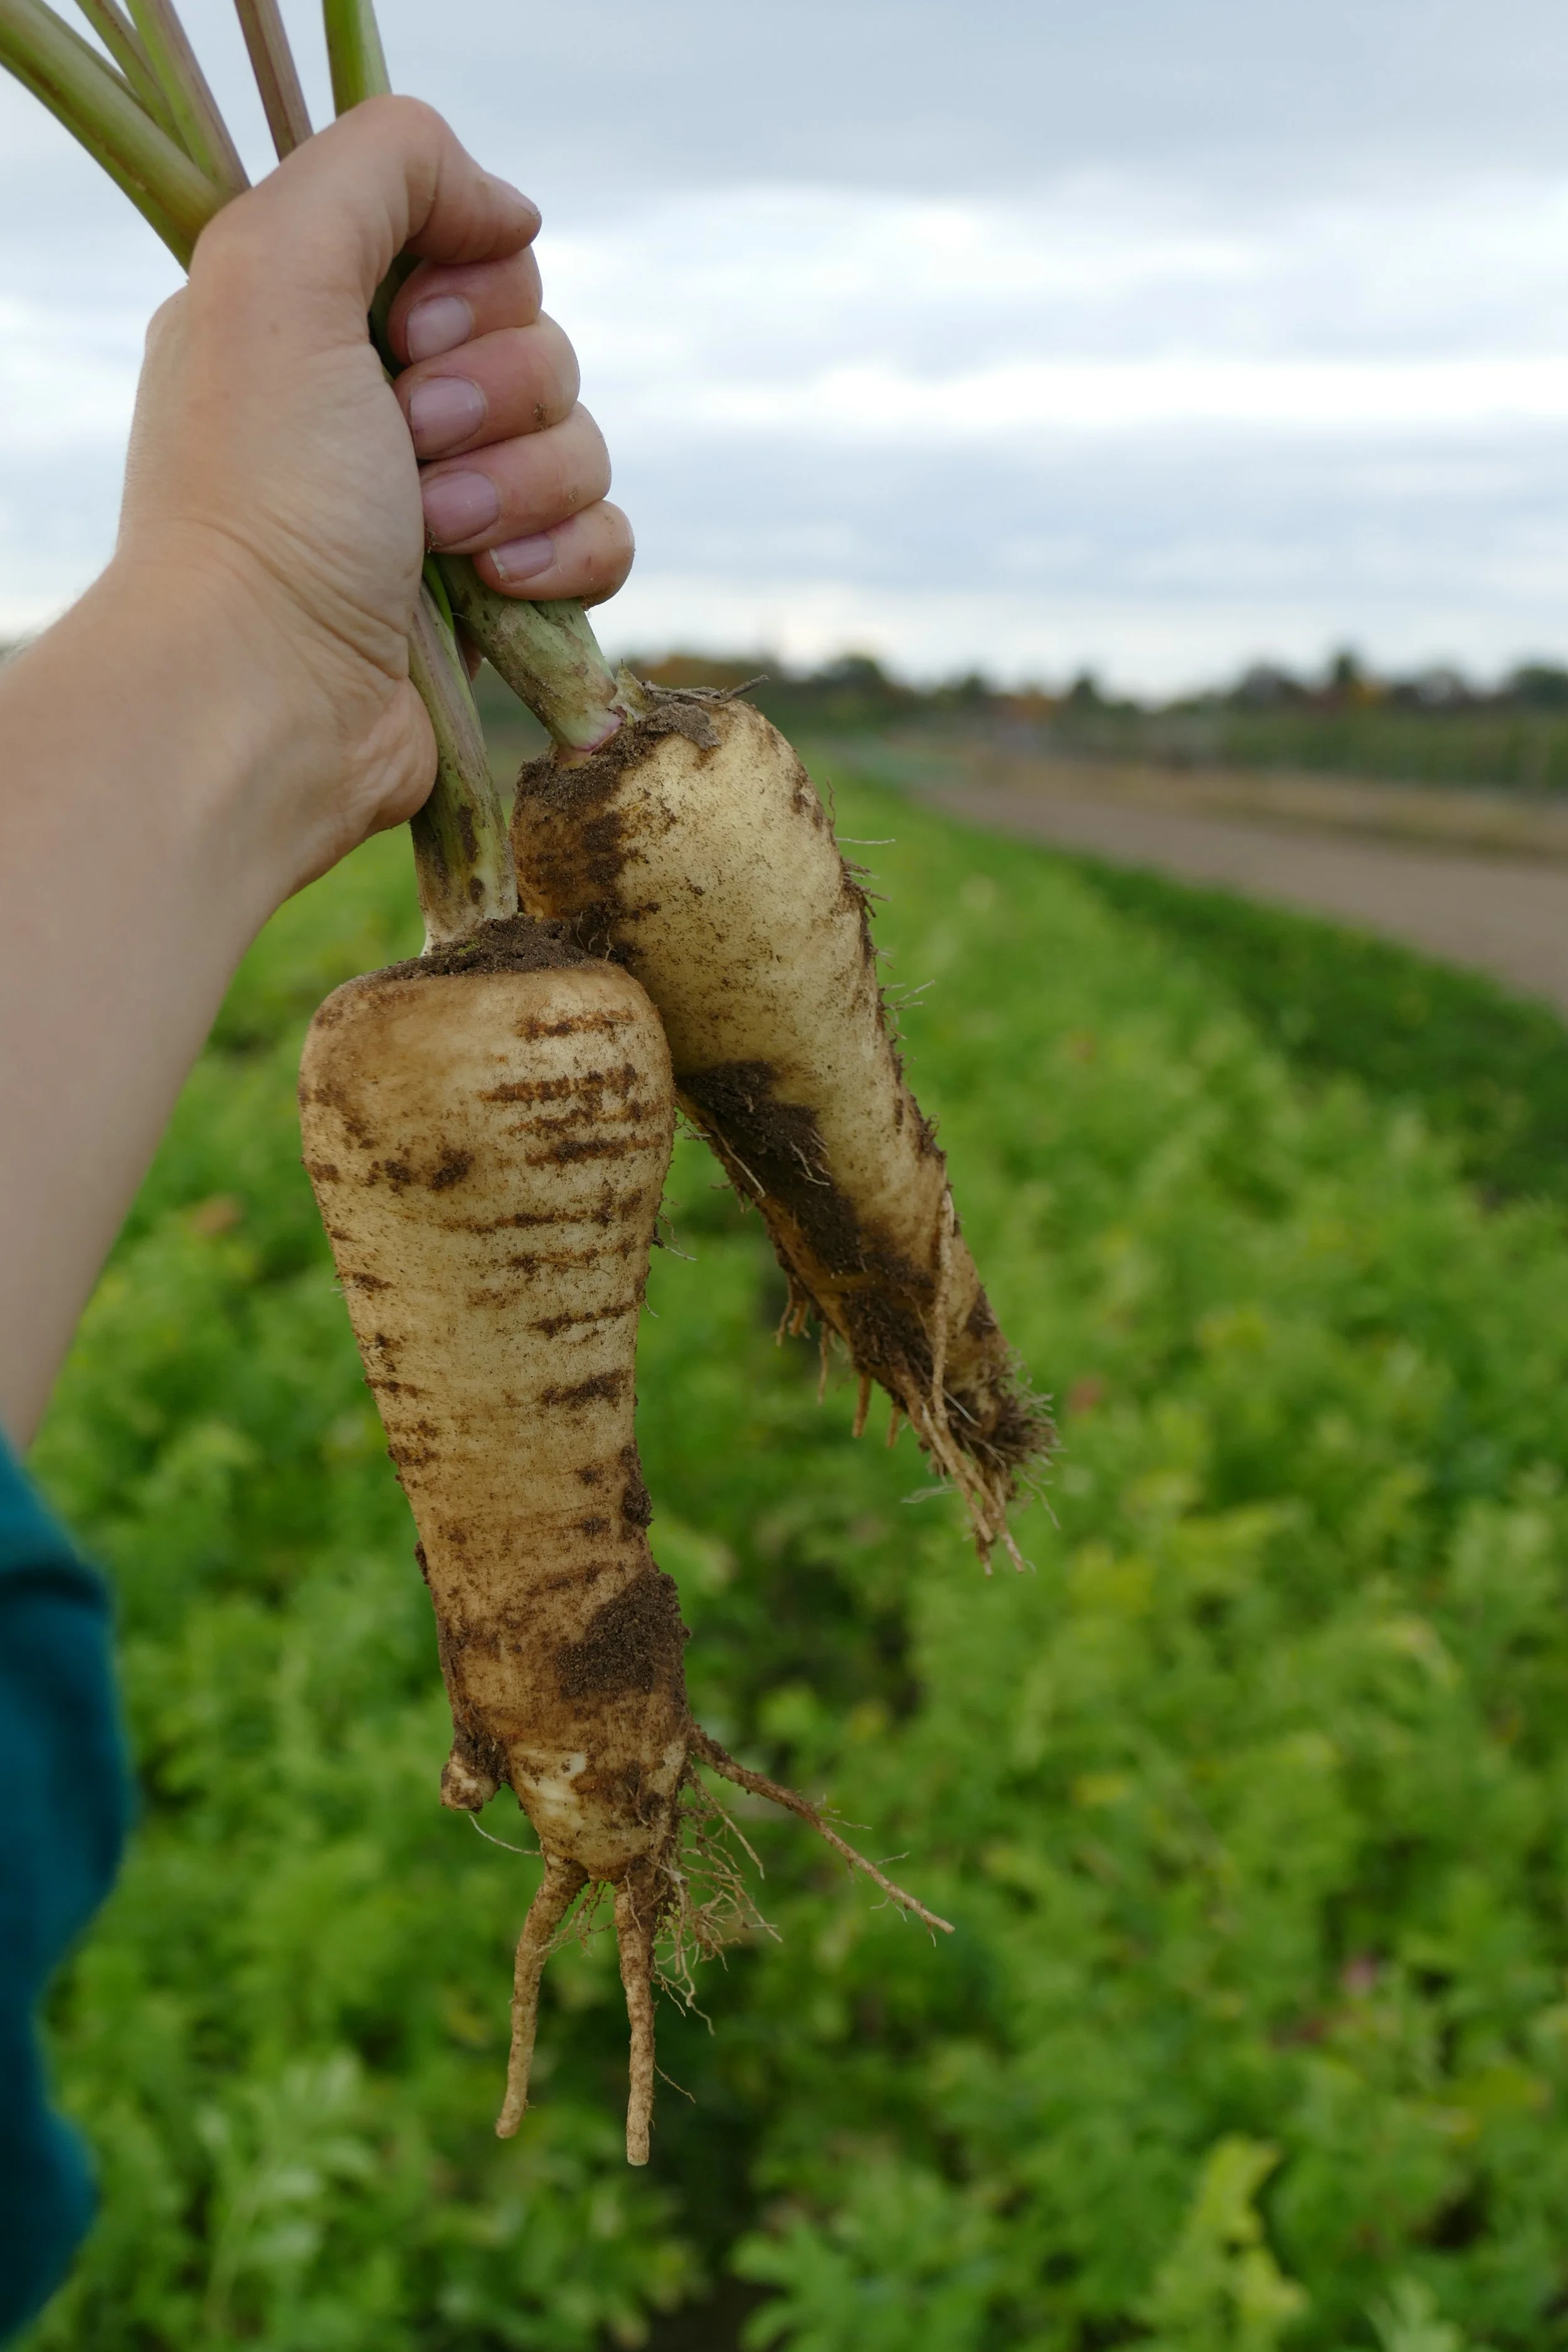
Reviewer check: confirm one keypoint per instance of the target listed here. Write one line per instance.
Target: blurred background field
(1251, 1801)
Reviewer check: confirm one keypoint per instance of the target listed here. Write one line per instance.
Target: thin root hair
(757, 1784)
(708, 1904)
(713, 695)
(529, 1853)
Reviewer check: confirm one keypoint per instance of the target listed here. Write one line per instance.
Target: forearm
(140, 762)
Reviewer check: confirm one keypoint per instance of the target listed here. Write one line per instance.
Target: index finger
(460, 302)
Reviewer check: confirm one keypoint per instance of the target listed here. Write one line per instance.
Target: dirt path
(1430, 869)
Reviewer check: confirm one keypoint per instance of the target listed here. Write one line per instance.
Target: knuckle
(404, 119)
(164, 322)
(235, 245)
(585, 451)
(560, 357)
(531, 285)
(588, 426)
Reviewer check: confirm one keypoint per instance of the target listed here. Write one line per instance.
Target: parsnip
(694, 848)
(488, 1147)
(487, 1131)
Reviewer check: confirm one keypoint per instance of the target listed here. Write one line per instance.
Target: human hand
(273, 483)
(227, 710)
(515, 470)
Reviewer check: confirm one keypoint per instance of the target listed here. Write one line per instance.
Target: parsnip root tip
(562, 1884)
(636, 1916)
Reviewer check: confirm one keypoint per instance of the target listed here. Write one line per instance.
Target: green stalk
(549, 656)
(462, 851)
(204, 134)
(98, 106)
(461, 844)
(277, 76)
(355, 53)
(121, 39)
(547, 652)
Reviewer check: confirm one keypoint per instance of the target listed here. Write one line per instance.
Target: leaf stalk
(99, 107)
(203, 132)
(121, 39)
(462, 849)
(355, 52)
(276, 75)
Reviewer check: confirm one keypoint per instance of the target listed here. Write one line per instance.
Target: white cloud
(1101, 423)
(1151, 412)
(884, 408)
(68, 378)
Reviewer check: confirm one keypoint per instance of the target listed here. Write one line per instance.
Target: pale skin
(228, 712)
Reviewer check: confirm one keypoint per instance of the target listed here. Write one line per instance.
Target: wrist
(232, 736)
(138, 839)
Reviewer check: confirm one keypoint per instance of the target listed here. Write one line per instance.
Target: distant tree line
(1435, 726)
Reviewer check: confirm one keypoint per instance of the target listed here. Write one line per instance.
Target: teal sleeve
(64, 1809)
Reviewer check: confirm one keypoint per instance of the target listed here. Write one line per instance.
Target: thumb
(323, 229)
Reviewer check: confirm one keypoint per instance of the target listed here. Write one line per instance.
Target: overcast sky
(1160, 336)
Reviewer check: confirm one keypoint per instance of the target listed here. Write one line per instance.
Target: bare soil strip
(1475, 879)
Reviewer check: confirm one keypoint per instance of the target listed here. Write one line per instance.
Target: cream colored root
(862, 1406)
(637, 1908)
(757, 1784)
(562, 1884)
(726, 896)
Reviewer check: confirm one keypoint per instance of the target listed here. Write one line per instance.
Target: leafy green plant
(1248, 1801)
(906, 2259)
(1220, 2285)
(1486, 1069)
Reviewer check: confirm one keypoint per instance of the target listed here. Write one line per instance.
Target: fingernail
(444, 412)
(523, 558)
(456, 506)
(437, 326)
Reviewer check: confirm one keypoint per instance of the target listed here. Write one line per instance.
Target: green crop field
(1250, 1802)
